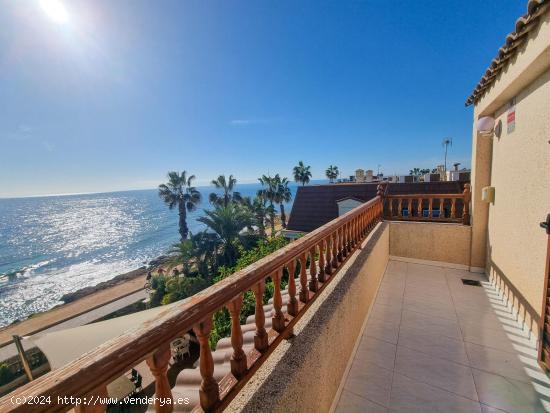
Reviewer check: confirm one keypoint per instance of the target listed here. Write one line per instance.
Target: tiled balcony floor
(433, 344)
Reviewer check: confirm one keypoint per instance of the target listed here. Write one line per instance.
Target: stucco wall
(306, 370)
(449, 243)
(520, 174)
(518, 166)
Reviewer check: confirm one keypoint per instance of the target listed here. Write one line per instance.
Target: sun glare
(55, 10)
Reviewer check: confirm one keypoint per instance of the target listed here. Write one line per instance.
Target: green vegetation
(228, 194)
(178, 191)
(222, 321)
(332, 173)
(275, 191)
(235, 237)
(418, 172)
(302, 173)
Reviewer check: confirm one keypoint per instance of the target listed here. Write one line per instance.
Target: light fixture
(485, 125)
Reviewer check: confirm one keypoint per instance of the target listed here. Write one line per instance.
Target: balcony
(375, 317)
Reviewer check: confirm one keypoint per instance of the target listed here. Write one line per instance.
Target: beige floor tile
(352, 403)
(393, 301)
(426, 280)
(383, 311)
(411, 396)
(488, 317)
(396, 267)
(489, 409)
(432, 324)
(374, 351)
(437, 372)
(382, 330)
(396, 286)
(499, 362)
(429, 302)
(433, 344)
(497, 339)
(423, 295)
(424, 269)
(370, 381)
(426, 307)
(506, 394)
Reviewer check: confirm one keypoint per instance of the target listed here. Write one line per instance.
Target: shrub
(222, 320)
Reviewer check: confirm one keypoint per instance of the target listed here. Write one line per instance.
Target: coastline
(89, 298)
(81, 301)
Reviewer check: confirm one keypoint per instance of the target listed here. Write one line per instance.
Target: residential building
(360, 175)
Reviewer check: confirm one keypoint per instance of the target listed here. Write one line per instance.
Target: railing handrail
(426, 196)
(115, 357)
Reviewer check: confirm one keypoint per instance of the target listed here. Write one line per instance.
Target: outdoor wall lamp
(486, 125)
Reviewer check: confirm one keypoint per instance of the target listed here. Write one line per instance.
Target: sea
(53, 245)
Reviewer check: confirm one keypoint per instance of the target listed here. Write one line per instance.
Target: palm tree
(268, 192)
(178, 191)
(332, 173)
(446, 142)
(227, 223)
(302, 173)
(259, 210)
(229, 195)
(200, 249)
(282, 194)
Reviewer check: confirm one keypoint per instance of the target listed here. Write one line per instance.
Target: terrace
(377, 318)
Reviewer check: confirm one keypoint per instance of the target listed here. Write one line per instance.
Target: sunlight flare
(55, 10)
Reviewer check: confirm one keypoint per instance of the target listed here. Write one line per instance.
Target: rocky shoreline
(119, 279)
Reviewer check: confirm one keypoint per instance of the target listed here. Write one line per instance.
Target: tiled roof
(524, 25)
(316, 205)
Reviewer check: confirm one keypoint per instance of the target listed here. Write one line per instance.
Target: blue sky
(127, 90)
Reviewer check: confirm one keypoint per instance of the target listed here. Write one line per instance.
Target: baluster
(321, 277)
(238, 359)
(101, 392)
(260, 338)
(419, 208)
(209, 392)
(313, 284)
(340, 245)
(328, 256)
(354, 236)
(344, 252)
(430, 209)
(349, 243)
(390, 203)
(278, 319)
(466, 208)
(400, 208)
(158, 365)
(304, 293)
(369, 221)
(442, 208)
(334, 249)
(409, 207)
(292, 305)
(453, 208)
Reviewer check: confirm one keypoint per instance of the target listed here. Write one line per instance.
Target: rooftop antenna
(378, 173)
(446, 142)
